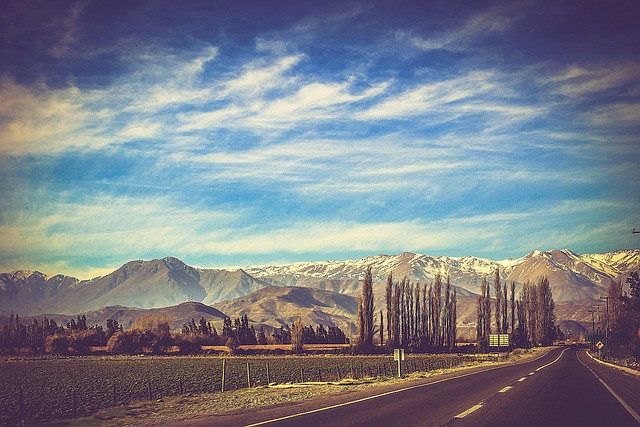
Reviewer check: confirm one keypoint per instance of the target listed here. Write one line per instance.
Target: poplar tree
(390, 312)
(436, 303)
(497, 288)
(513, 306)
(366, 310)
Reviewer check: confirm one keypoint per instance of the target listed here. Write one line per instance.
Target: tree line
(47, 336)
(419, 317)
(624, 318)
(530, 319)
(148, 334)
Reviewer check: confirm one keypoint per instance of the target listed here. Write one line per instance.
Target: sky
(231, 133)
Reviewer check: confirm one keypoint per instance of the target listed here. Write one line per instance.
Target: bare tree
(366, 325)
(390, 312)
(513, 306)
(437, 308)
(546, 317)
(395, 318)
(505, 306)
(297, 344)
(497, 288)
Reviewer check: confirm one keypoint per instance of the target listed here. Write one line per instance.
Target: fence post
(20, 406)
(114, 395)
(224, 368)
(74, 403)
(248, 376)
(268, 377)
(301, 374)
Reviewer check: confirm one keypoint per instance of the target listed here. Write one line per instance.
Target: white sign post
(398, 354)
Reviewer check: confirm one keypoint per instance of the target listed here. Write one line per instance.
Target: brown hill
(178, 315)
(275, 306)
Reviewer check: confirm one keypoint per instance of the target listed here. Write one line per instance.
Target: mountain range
(321, 292)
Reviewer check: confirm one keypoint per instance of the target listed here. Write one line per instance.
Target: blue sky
(253, 132)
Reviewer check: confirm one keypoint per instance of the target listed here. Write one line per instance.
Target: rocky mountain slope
(167, 282)
(572, 276)
(143, 284)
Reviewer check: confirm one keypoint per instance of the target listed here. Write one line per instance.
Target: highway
(565, 387)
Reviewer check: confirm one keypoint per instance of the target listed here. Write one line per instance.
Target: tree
(483, 316)
(297, 341)
(535, 311)
(389, 302)
(547, 317)
(513, 306)
(381, 329)
(454, 320)
(396, 315)
(505, 315)
(125, 342)
(262, 338)
(625, 328)
(366, 325)
(436, 307)
(497, 288)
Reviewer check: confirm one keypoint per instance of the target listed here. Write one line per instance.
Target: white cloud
(430, 98)
(258, 78)
(578, 80)
(494, 21)
(43, 120)
(111, 225)
(622, 114)
(328, 237)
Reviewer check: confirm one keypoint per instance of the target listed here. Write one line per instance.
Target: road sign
(498, 340)
(599, 345)
(398, 354)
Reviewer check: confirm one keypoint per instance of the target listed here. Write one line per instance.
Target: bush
(82, 340)
(187, 344)
(232, 344)
(124, 342)
(58, 344)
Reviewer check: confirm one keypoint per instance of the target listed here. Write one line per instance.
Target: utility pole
(593, 329)
(607, 353)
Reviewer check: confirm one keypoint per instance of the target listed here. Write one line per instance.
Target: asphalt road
(563, 388)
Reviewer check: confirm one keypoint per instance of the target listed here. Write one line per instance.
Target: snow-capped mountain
(168, 281)
(572, 276)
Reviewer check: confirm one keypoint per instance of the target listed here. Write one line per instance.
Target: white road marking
(531, 373)
(313, 411)
(504, 390)
(550, 363)
(522, 379)
(633, 413)
(470, 410)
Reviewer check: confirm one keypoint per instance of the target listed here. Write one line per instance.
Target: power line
(634, 231)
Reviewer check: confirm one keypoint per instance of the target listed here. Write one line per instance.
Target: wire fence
(43, 390)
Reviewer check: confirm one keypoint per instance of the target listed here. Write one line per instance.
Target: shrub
(58, 344)
(124, 342)
(187, 344)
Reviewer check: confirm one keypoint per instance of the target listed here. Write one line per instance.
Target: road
(564, 387)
